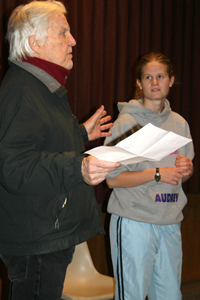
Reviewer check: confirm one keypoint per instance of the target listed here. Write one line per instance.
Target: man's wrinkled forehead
(59, 22)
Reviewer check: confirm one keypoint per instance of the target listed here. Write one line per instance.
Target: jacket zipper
(57, 225)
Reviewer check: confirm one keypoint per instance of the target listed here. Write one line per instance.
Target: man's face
(57, 47)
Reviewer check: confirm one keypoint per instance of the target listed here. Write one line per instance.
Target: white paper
(150, 143)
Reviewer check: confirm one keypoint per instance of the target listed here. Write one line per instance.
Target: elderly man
(47, 203)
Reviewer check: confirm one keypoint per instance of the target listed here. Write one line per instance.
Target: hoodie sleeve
(189, 148)
(124, 126)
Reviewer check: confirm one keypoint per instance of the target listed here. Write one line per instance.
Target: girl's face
(155, 81)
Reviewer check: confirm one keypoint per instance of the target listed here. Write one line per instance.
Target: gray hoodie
(153, 202)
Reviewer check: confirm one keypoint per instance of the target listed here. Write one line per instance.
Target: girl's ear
(139, 84)
(171, 81)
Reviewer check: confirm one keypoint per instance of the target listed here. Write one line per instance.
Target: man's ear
(34, 44)
(171, 82)
(139, 84)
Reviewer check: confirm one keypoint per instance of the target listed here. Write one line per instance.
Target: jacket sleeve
(26, 167)
(83, 133)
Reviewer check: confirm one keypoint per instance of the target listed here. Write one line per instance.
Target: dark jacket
(45, 205)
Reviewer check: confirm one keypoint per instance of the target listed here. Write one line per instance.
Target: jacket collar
(52, 84)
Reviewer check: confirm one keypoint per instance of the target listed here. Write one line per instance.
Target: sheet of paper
(150, 143)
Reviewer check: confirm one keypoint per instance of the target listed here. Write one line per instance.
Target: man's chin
(69, 66)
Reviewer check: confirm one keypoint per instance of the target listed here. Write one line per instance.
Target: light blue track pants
(147, 260)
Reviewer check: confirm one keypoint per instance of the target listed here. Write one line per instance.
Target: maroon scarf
(57, 72)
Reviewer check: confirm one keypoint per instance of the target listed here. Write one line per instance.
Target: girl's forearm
(131, 179)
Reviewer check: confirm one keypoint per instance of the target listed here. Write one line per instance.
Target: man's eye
(160, 76)
(148, 77)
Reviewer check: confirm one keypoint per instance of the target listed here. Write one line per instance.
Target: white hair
(27, 20)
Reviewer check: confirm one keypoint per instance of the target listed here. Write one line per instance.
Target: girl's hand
(185, 164)
(171, 175)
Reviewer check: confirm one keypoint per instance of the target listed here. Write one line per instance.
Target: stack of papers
(150, 143)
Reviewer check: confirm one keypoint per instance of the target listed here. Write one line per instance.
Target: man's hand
(94, 170)
(95, 125)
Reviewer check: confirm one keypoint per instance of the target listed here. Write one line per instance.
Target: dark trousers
(37, 277)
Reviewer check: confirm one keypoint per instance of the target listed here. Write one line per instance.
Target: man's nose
(72, 41)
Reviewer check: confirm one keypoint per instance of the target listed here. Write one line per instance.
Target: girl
(147, 198)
